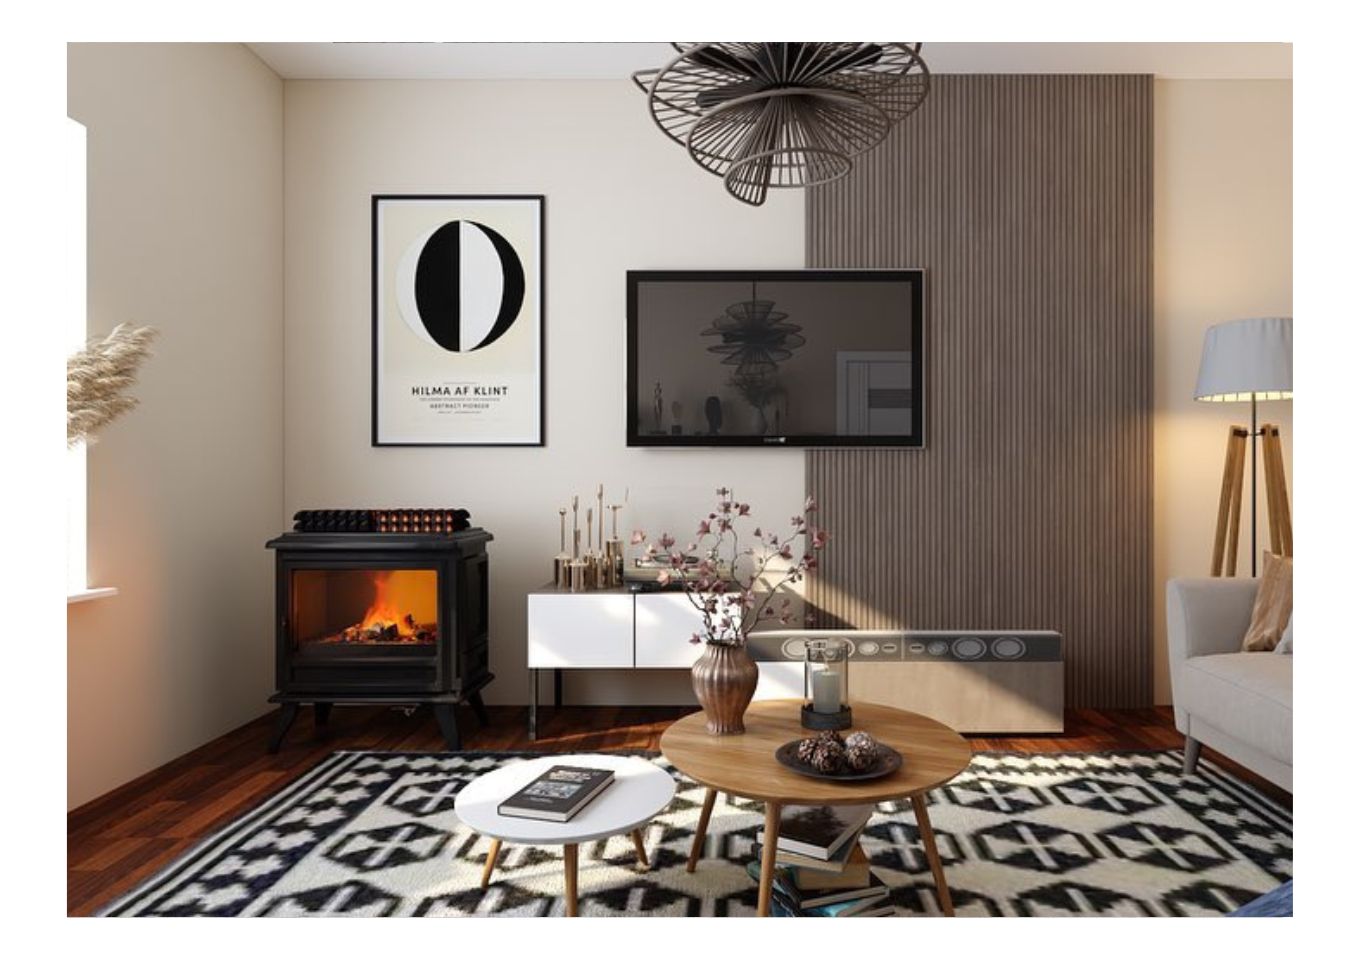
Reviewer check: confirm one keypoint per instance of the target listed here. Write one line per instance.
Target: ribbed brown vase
(724, 681)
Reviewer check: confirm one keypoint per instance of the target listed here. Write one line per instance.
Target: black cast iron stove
(365, 616)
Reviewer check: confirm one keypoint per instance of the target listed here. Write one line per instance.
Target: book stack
(820, 869)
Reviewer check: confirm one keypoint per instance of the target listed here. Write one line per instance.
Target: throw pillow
(1274, 604)
(1286, 644)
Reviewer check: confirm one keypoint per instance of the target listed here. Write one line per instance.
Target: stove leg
(479, 710)
(322, 711)
(285, 718)
(445, 719)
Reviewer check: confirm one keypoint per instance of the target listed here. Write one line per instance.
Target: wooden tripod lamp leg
(1230, 506)
(1277, 493)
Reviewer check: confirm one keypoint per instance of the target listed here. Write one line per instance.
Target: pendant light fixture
(763, 115)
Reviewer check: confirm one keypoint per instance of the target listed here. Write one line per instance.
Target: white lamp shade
(1248, 360)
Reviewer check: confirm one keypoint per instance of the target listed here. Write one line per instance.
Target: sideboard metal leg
(534, 705)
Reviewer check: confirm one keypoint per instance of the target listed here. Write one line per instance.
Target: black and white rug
(375, 834)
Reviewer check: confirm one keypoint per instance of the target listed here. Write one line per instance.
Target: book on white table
(557, 794)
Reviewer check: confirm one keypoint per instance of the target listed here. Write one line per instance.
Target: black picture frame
(457, 320)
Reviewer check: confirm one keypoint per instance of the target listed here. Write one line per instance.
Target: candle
(825, 690)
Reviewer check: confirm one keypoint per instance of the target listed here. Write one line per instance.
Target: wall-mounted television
(775, 358)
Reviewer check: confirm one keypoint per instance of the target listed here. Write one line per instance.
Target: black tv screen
(776, 358)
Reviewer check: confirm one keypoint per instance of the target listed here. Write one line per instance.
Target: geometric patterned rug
(1105, 834)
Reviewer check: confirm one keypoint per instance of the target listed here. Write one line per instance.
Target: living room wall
(1220, 148)
(619, 196)
(183, 653)
(1223, 249)
(185, 233)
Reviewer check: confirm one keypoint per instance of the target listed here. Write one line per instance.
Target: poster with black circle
(458, 320)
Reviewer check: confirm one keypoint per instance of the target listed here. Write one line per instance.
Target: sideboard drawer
(580, 630)
(664, 624)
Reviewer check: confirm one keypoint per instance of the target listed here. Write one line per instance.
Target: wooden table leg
(696, 851)
(772, 813)
(493, 850)
(570, 877)
(641, 850)
(934, 858)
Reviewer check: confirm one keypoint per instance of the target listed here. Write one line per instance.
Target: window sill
(91, 593)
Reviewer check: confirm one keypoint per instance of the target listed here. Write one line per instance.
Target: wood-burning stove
(398, 618)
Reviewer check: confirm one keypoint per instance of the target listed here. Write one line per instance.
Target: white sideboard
(620, 630)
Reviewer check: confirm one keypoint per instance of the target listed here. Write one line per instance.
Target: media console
(976, 681)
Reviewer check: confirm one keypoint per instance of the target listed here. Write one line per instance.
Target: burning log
(406, 631)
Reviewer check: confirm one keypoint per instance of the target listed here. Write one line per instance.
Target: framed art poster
(458, 320)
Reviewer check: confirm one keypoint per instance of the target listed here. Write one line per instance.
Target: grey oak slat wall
(1028, 201)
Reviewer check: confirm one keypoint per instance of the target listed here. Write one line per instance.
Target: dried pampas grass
(97, 376)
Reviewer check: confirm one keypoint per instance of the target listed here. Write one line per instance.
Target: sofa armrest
(1207, 616)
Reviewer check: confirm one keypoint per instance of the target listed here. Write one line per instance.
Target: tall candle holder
(600, 564)
(560, 562)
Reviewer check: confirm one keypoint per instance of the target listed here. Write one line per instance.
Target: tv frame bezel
(915, 276)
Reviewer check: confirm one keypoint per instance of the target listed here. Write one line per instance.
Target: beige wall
(1223, 247)
(186, 175)
(185, 234)
(619, 196)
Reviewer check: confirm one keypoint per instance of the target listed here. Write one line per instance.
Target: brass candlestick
(576, 530)
(614, 548)
(600, 565)
(562, 559)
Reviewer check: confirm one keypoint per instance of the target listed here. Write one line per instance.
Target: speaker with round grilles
(977, 681)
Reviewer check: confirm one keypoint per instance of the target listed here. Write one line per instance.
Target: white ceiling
(604, 61)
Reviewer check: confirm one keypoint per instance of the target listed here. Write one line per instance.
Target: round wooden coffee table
(743, 765)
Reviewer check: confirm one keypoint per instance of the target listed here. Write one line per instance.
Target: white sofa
(1240, 704)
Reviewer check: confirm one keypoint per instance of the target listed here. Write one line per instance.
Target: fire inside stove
(366, 607)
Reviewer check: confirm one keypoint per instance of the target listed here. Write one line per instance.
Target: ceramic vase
(724, 682)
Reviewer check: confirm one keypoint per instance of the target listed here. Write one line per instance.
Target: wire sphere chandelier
(762, 115)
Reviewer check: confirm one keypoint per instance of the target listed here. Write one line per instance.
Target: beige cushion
(1274, 604)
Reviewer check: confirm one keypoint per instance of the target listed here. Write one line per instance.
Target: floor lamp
(1246, 361)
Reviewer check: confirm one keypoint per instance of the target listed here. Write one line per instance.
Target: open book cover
(557, 793)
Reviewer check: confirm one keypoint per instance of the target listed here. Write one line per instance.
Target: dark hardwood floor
(120, 838)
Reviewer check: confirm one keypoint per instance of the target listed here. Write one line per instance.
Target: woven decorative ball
(806, 749)
(860, 750)
(828, 756)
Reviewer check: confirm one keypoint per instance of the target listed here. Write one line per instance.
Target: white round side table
(639, 792)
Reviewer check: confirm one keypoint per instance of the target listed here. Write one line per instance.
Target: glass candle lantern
(827, 685)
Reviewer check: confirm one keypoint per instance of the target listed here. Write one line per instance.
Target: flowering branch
(720, 579)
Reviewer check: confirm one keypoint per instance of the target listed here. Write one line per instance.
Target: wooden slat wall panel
(1028, 200)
